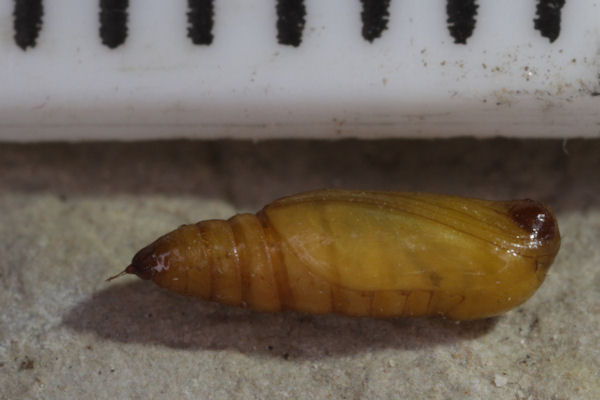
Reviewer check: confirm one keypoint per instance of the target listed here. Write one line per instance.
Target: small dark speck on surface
(26, 364)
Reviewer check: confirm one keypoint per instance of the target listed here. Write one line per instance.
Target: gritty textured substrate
(73, 214)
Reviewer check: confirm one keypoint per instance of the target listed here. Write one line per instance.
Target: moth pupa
(361, 253)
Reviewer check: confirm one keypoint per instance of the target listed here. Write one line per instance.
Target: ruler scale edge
(384, 81)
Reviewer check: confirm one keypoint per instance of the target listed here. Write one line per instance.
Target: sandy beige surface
(73, 214)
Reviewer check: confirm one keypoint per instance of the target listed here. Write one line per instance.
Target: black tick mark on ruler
(27, 22)
(291, 16)
(548, 18)
(113, 22)
(461, 19)
(200, 21)
(375, 15)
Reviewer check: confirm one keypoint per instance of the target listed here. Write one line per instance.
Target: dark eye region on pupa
(362, 253)
(291, 20)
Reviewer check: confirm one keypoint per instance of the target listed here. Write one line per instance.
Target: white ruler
(292, 68)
